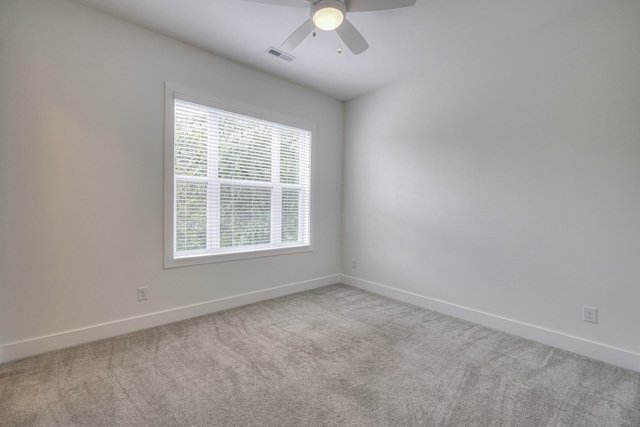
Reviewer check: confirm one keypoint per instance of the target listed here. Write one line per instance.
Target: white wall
(4, 227)
(505, 188)
(82, 111)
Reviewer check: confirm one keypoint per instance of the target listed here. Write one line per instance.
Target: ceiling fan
(329, 15)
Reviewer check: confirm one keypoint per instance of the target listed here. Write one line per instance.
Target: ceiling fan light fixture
(328, 14)
(328, 18)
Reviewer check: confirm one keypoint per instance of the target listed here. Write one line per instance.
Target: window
(240, 183)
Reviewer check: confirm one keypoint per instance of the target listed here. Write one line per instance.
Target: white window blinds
(241, 184)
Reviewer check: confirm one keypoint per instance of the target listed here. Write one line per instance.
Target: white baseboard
(31, 347)
(594, 350)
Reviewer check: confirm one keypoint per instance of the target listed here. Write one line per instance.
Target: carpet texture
(335, 356)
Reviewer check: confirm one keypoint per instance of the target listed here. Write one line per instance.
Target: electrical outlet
(590, 314)
(354, 263)
(143, 293)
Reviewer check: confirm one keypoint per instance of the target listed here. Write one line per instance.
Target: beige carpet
(335, 356)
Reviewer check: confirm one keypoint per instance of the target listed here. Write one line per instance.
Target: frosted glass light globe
(328, 19)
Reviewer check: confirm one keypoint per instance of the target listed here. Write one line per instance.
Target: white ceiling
(402, 42)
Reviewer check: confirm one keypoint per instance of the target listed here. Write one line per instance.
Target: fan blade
(289, 3)
(352, 38)
(368, 5)
(298, 35)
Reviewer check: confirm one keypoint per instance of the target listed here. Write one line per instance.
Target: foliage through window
(241, 183)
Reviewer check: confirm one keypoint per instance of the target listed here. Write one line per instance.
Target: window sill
(171, 262)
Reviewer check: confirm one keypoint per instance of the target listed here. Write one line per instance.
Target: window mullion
(213, 193)
(304, 168)
(276, 189)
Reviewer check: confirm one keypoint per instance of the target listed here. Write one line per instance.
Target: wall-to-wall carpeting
(331, 356)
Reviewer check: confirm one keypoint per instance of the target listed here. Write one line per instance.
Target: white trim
(606, 353)
(34, 346)
(257, 252)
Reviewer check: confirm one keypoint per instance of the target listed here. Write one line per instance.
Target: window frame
(173, 92)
